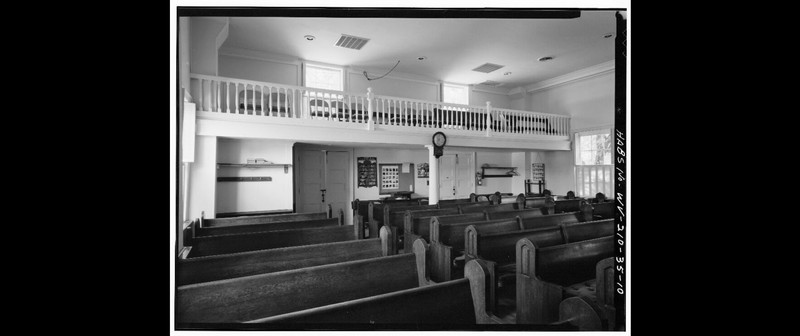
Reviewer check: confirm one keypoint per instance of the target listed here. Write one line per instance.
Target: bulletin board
(394, 177)
(367, 172)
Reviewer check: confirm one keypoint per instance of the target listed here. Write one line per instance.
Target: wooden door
(337, 180)
(312, 181)
(465, 175)
(447, 177)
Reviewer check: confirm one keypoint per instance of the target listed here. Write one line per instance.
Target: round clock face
(439, 139)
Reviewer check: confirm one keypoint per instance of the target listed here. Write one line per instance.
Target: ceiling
(451, 47)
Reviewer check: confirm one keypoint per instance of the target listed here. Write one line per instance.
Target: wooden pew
(603, 210)
(261, 219)
(531, 202)
(524, 214)
(446, 305)
(576, 314)
(447, 244)
(377, 212)
(418, 218)
(259, 296)
(489, 208)
(545, 275)
(393, 217)
(271, 226)
(536, 222)
(226, 266)
(234, 243)
(499, 198)
(420, 226)
(568, 205)
(499, 247)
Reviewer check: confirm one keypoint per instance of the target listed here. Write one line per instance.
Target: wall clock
(439, 140)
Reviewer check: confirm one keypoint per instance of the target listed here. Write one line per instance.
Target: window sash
(591, 179)
(311, 69)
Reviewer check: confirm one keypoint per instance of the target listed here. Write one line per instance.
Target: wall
(590, 103)
(204, 36)
(202, 178)
(184, 48)
(492, 184)
(263, 70)
(399, 85)
(254, 196)
(390, 155)
(480, 97)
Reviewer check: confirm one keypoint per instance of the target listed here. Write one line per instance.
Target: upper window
(593, 148)
(324, 77)
(455, 94)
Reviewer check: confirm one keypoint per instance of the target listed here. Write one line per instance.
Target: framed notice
(367, 172)
(537, 172)
(392, 178)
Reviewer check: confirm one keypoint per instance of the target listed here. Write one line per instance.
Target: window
(593, 163)
(455, 94)
(323, 77)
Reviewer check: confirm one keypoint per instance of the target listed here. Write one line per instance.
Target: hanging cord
(369, 79)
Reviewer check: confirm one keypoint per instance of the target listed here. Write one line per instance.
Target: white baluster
(488, 118)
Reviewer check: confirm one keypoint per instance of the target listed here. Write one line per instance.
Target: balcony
(255, 106)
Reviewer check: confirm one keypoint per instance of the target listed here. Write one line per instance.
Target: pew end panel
(605, 292)
(389, 243)
(481, 279)
(582, 313)
(440, 262)
(422, 252)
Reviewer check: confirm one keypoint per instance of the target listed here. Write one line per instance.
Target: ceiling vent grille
(351, 42)
(491, 83)
(488, 67)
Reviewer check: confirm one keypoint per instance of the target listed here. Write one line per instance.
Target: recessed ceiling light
(544, 59)
(421, 58)
(309, 37)
(507, 73)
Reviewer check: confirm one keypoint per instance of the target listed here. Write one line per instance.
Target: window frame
(312, 65)
(465, 87)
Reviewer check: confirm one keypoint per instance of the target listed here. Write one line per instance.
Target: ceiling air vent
(351, 42)
(488, 67)
(491, 83)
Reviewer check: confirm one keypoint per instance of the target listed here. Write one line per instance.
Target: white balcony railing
(270, 100)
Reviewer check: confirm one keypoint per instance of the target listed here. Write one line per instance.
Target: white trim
(586, 73)
(594, 128)
(258, 55)
(488, 89)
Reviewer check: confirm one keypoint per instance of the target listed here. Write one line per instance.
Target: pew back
(603, 210)
(536, 222)
(568, 205)
(500, 247)
(571, 263)
(259, 296)
(273, 226)
(574, 232)
(524, 213)
(233, 243)
(227, 266)
(261, 219)
(490, 208)
(448, 303)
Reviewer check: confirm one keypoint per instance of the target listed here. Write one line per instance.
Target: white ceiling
(453, 47)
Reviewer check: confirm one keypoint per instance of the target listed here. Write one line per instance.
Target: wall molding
(585, 73)
(259, 56)
(489, 89)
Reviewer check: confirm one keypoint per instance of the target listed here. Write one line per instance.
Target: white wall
(480, 97)
(261, 70)
(184, 49)
(202, 179)
(254, 196)
(395, 86)
(518, 182)
(588, 101)
(204, 35)
(493, 184)
(391, 155)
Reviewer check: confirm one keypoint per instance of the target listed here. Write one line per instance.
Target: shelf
(256, 165)
(511, 172)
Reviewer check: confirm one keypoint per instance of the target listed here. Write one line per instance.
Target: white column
(433, 177)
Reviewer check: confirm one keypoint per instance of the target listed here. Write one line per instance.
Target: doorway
(323, 178)
(456, 175)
